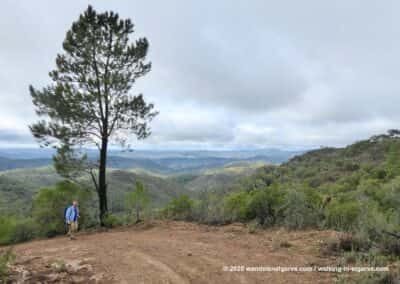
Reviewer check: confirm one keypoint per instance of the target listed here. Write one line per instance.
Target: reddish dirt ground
(174, 252)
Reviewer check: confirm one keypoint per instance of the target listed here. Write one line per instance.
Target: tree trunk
(102, 193)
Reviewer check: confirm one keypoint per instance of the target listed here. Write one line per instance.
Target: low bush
(49, 205)
(180, 208)
(209, 209)
(6, 257)
(137, 202)
(14, 230)
(111, 221)
(346, 242)
(342, 215)
(236, 206)
(300, 212)
(23, 230)
(253, 226)
(353, 242)
(390, 246)
(265, 205)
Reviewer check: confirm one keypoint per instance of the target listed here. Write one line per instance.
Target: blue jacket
(72, 214)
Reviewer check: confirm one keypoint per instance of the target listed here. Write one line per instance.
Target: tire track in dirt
(151, 265)
(175, 252)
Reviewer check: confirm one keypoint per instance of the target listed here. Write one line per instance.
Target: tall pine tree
(89, 101)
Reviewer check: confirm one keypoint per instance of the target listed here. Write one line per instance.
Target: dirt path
(173, 252)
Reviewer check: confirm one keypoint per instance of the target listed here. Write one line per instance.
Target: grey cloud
(243, 76)
(225, 73)
(192, 126)
(10, 136)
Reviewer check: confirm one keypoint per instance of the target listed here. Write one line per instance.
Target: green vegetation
(180, 208)
(112, 220)
(14, 230)
(46, 217)
(355, 190)
(138, 200)
(6, 257)
(17, 188)
(49, 205)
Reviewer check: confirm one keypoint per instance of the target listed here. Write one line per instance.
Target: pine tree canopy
(90, 97)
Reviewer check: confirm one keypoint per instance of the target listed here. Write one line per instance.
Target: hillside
(174, 252)
(375, 158)
(221, 179)
(9, 164)
(160, 162)
(19, 186)
(267, 215)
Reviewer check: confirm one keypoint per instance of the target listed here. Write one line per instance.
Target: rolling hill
(161, 162)
(371, 158)
(166, 174)
(19, 186)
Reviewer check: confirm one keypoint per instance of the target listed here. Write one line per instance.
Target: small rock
(53, 277)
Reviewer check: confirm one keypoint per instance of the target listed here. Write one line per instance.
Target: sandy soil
(174, 252)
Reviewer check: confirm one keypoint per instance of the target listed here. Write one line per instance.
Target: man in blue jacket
(71, 218)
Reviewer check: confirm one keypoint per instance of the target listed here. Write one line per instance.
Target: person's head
(75, 203)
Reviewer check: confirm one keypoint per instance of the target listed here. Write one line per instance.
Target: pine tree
(138, 200)
(89, 102)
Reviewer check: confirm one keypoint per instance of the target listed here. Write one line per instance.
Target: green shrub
(351, 246)
(261, 204)
(390, 193)
(24, 230)
(371, 188)
(265, 205)
(180, 208)
(6, 257)
(138, 201)
(392, 160)
(236, 206)
(353, 242)
(6, 225)
(350, 166)
(379, 173)
(253, 226)
(349, 183)
(390, 246)
(208, 208)
(49, 205)
(342, 216)
(391, 277)
(111, 221)
(15, 230)
(300, 212)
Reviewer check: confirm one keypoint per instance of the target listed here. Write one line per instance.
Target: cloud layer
(229, 75)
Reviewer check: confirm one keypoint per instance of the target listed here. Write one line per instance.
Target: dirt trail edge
(173, 252)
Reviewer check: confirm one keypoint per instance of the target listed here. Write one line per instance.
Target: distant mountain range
(10, 164)
(164, 162)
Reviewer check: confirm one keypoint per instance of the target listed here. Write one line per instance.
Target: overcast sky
(228, 74)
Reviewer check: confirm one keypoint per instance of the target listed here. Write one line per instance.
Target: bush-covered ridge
(355, 190)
